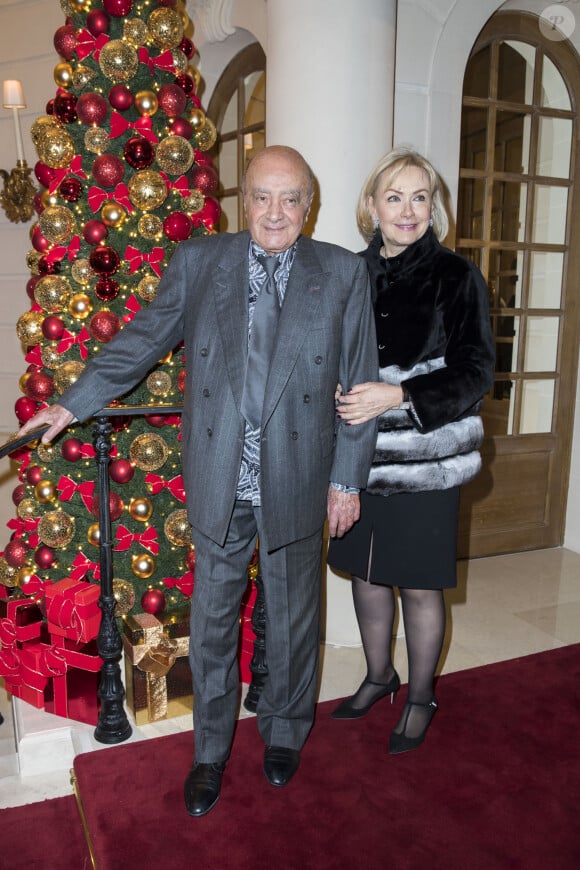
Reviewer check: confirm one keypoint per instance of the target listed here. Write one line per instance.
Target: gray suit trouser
(292, 584)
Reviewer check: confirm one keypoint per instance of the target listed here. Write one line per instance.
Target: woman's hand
(366, 401)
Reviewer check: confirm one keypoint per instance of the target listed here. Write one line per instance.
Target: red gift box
(72, 609)
(75, 671)
(20, 621)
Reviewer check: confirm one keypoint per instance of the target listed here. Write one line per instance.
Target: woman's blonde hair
(390, 165)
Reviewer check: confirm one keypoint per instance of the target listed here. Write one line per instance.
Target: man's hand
(55, 416)
(343, 511)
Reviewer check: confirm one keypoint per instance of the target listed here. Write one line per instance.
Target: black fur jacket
(434, 336)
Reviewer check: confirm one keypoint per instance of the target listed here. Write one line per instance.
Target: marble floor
(503, 607)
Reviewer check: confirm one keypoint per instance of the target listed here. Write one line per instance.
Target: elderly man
(271, 322)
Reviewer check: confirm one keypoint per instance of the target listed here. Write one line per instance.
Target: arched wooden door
(518, 219)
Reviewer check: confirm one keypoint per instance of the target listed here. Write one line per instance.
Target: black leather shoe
(202, 788)
(280, 764)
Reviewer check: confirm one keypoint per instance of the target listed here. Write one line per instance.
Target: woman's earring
(376, 223)
(430, 221)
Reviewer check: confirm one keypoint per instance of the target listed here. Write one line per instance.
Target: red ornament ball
(37, 202)
(98, 22)
(52, 327)
(139, 152)
(65, 108)
(108, 170)
(186, 83)
(117, 8)
(39, 387)
(172, 100)
(177, 226)
(39, 242)
(121, 471)
(181, 127)
(106, 289)
(156, 420)
(65, 41)
(104, 325)
(30, 285)
(45, 557)
(209, 215)
(43, 173)
(181, 381)
(204, 178)
(190, 560)
(70, 188)
(34, 474)
(50, 107)
(153, 601)
(94, 232)
(72, 449)
(15, 553)
(104, 260)
(46, 267)
(116, 506)
(187, 47)
(92, 109)
(167, 2)
(25, 409)
(121, 98)
(18, 493)
(202, 158)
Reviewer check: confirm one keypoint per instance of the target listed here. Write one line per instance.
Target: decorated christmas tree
(125, 175)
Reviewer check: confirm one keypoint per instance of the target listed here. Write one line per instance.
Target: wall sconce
(18, 195)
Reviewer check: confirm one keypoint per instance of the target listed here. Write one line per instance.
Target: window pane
(470, 212)
(554, 92)
(512, 142)
(255, 91)
(477, 74)
(546, 271)
(228, 164)
(505, 273)
(554, 147)
(474, 124)
(541, 344)
(506, 331)
(508, 211)
(537, 403)
(253, 142)
(549, 226)
(229, 216)
(498, 409)
(230, 121)
(516, 72)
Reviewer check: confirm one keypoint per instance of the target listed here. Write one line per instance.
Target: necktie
(263, 332)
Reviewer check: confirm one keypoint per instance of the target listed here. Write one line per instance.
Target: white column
(330, 85)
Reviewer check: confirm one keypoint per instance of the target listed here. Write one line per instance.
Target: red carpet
(44, 836)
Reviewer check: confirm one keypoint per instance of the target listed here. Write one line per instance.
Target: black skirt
(413, 538)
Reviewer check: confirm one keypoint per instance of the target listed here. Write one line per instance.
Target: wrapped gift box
(75, 674)
(72, 609)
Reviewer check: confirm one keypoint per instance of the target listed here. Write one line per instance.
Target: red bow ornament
(147, 539)
(163, 61)
(135, 258)
(88, 44)
(82, 566)
(175, 485)
(75, 167)
(67, 488)
(143, 126)
(68, 340)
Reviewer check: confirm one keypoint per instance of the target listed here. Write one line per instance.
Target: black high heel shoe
(345, 709)
(398, 742)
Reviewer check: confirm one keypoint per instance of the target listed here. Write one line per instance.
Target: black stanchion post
(258, 665)
(113, 725)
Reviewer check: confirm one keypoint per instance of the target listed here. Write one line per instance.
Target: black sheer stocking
(375, 610)
(424, 618)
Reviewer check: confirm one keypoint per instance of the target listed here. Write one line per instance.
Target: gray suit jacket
(326, 336)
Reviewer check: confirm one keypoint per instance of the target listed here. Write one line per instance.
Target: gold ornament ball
(113, 214)
(147, 287)
(56, 148)
(135, 32)
(142, 565)
(147, 190)
(81, 5)
(22, 381)
(206, 138)
(57, 224)
(194, 202)
(66, 374)
(46, 452)
(150, 226)
(80, 306)
(197, 118)
(82, 76)
(124, 595)
(56, 529)
(27, 508)
(32, 259)
(29, 328)
(159, 383)
(45, 491)
(7, 573)
(97, 140)
(94, 534)
(141, 509)
(81, 271)
(179, 61)
(149, 452)
(195, 74)
(48, 199)
(146, 102)
(63, 75)
(166, 28)
(23, 577)
(118, 61)
(177, 528)
(40, 126)
(50, 356)
(174, 155)
(52, 293)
